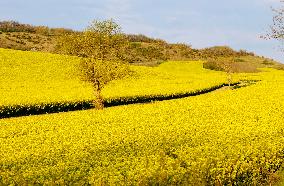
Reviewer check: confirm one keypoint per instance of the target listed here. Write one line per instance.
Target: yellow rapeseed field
(230, 137)
(34, 77)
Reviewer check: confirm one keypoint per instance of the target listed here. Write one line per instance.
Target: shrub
(239, 60)
(231, 64)
(267, 62)
(212, 65)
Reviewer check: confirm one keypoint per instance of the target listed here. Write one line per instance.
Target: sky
(199, 23)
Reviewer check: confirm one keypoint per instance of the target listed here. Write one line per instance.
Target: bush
(230, 64)
(267, 62)
(223, 51)
(144, 52)
(218, 51)
(239, 60)
(212, 65)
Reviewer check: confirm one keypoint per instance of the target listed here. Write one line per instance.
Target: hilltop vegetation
(15, 35)
(142, 50)
(14, 26)
(27, 41)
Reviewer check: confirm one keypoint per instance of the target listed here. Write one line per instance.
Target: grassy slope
(218, 138)
(149, 54)
(33, 77)
(27, 41)
(261, 62)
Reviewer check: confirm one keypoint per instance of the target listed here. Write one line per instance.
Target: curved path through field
(26, 110)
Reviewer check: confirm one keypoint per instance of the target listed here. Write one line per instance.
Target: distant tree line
(14, 26)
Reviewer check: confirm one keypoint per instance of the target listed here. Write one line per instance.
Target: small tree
(101, 47)
(221, 64)
(103, 42)
(99, 73)
(227, 65)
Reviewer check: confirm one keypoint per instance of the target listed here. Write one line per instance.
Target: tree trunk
(229, 77)
(99, 101)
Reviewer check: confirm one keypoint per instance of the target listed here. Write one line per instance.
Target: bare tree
(276, 30)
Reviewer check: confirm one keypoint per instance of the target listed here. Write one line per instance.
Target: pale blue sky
(201, 23)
